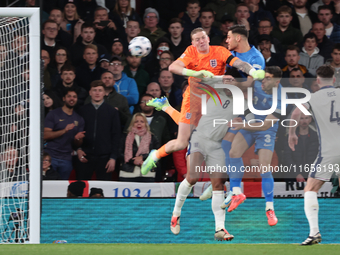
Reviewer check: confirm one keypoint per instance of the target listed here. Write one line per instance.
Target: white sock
(237, 190)
(154, 157)
(182, 193)
(269, 205)
(217, 200)
(312, 211)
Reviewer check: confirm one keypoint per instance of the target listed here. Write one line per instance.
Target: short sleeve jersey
(215, 61)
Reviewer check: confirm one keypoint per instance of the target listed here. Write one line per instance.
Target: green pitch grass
(168, 249)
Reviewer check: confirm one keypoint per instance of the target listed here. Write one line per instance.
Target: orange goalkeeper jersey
(215, 61)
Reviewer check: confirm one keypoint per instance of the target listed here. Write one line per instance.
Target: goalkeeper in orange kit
(202, 61)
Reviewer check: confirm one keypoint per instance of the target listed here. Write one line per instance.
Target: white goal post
(34, 140)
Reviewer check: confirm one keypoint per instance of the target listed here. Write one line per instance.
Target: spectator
(335, 63)
(124, 85)
(150, 29)
(226, 22)
(306, 149)
(220, 8)
(63, 129)
(134, 70)
(117, 49)
(89, 71)
(135, 148)
(68, 75)
(166, 81)
(207, 19)
(50, 32)
(336, 12)
(272, 58)
(100, 148)
(61, 57)
(284, 32)
(72, 21)
(303, 17)
(242, 14)
(257, 12)
(154, 89)
(314, 86)
(316, 5)
(86, 37)
(123, 12)
(292, 58)
(106, 29)
(191, 17)
(178, 43)
(117, 101)
(51, 101)
(104, 61)
(86, 9)
(265, 28)
(96, 192)
(75, 189)
(10, 168)
(309, 56)
(47, 75)
(48, 173)
(332, 30)
(324, 44)
(158, 124)
(64, 38)
(132, 30)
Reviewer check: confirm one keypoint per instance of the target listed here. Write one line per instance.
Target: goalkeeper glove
(197, 74)
(257, 74)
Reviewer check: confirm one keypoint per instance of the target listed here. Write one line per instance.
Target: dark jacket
(326, 48)
(64, 38)
(304, 154)
(81, 92)
(142, 78)
(85, 75)
(51, 174)
(105, 37)
(129, 166)
(289, 37)
(117, 100)
(77, 51)
(102, 128)
(295, 21)
(189, 26)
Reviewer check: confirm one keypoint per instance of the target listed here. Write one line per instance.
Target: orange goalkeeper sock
(161, 152)
(174, 114)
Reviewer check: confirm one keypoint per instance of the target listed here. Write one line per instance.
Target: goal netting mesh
(14, 121)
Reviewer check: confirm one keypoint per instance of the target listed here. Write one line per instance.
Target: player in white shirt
(325, 107)
(205, 145)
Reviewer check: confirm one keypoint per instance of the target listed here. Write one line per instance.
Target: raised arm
(178, 67)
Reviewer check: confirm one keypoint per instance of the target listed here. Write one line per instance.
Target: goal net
(19, 125)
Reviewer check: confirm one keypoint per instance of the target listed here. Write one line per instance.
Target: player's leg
(311, 207)
(184, 189)
(218, 176)
(265, 158)
(226, 146)
(242, 141)
(162, 104)
(180, 143)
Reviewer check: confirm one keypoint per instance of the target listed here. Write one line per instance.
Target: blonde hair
(134, 117)
(195, 31)
(76, 15)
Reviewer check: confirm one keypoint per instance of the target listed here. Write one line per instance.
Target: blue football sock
(268, 186)
(235, 176)
(226, 146)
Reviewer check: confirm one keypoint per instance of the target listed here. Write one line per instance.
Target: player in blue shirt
(264, 140)
(238, 45)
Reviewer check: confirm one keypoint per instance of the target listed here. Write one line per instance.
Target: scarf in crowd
(143, 146)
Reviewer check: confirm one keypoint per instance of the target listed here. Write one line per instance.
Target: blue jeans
(63, 167)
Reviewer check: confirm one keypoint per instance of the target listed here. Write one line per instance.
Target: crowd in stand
(97, 124)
